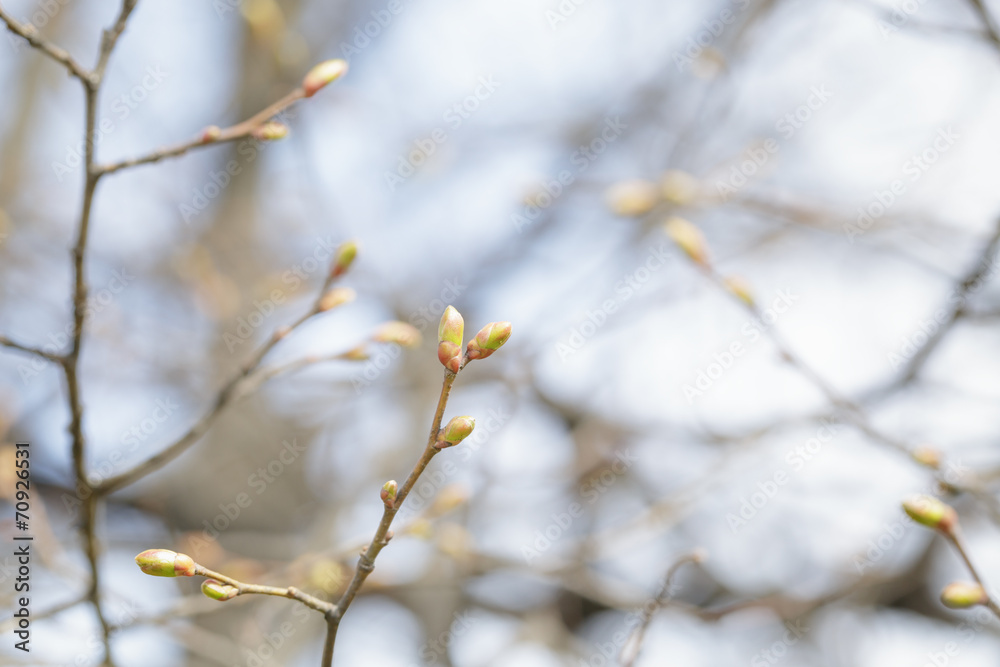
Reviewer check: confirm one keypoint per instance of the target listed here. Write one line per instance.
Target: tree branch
(366, 562)
(38, 352)
(210, 136)
(30, 34)
(225, 396)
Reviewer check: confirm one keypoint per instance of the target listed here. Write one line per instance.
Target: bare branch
(38, 352)
(223, 398)
(233, 133)
(30, 34)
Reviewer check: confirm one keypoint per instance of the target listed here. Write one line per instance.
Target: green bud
(457, 430)
(400, 333)
(165, 563)
(388, 493)
(337, 296)
(218, 590)
(688, 238)
(489, 339)
(931, 512)
(450, 333)
(323, 74)
(346, 253)
(962, 595)
(210, 134)
(270, 131)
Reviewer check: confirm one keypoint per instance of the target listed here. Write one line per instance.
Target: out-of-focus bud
(450, 333)
(454, 540)
(326, 575)
(452, 496)
(358, 353)
(323, 74)
(740, 288)
(400, 333)
(165, 563)
(926, 455)
(218, 590)
(337, 296)
(932, 513)
(210, 134)
(346, 253)
(699, 555)
(688, 238)
(388, 493)
(421, 529)
(632, 198)
(489, 339)
(270, 131)
(457, 430)
(962, 595)
(679, 187)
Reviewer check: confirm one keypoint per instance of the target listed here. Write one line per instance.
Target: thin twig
(38, 352)
(630, 651)
(290, 592)
(225, 396)
(957, 302)
(366, 562)
(30, 34)
(955, 537)
(992, 28)
(232, 133)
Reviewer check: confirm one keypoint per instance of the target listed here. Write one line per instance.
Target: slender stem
(231, 133)
(366, 562)
(630, 651)
(38, 352)
(30, 34)
(992, 28)
(956, 538)
(290, 592)
(222, 399)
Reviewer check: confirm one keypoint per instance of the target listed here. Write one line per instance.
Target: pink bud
(322, 75)
(450, 332)
(489, 339)
(165, 563)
